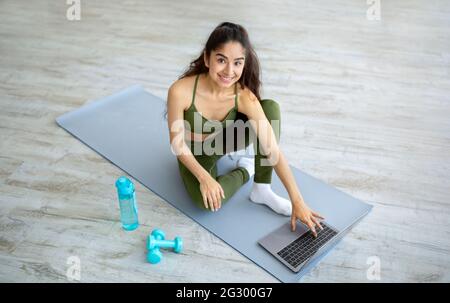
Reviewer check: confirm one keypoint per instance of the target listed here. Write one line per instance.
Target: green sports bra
(191, 114)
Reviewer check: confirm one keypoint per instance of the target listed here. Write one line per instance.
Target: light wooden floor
(365, 107)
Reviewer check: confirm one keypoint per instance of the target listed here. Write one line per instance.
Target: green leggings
(237, 177)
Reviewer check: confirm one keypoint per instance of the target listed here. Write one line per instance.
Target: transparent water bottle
(128, 204)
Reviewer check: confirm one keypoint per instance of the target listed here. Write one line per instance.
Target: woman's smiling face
(226, 64)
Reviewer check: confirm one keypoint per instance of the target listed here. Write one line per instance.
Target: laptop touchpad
(282, 236)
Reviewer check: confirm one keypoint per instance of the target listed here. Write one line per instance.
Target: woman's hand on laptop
(302, 212)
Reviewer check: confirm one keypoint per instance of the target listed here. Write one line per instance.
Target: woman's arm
(175, 120)
(251, 107)
(211, 190)
(284, 172)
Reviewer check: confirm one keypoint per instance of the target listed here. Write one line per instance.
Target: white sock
(246, 152)
(248, 164)
(233, 156)
(262, 194)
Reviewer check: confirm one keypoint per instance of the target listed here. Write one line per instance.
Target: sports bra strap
(195, 88)
(235, 97)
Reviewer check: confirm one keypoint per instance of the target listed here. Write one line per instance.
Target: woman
(207, 97)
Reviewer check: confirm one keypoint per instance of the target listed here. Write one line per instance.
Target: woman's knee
(271, 109)
(196, 197)
(192, 186)
(199, 203)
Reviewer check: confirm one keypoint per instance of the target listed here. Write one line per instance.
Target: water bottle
(127, 202)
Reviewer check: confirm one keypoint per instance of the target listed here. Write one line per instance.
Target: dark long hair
(230, 32)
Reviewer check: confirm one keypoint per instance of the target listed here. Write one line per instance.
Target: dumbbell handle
(176, 245)
(164, 243)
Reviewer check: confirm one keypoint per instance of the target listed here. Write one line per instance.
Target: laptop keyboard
(306, 245)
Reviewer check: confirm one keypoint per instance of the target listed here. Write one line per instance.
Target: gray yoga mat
(129, 129)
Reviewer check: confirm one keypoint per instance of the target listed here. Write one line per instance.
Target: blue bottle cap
(124, 186)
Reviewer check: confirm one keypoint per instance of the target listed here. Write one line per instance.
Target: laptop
(298, 249)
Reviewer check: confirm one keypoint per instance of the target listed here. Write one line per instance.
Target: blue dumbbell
(154, 255)
(156, 241)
